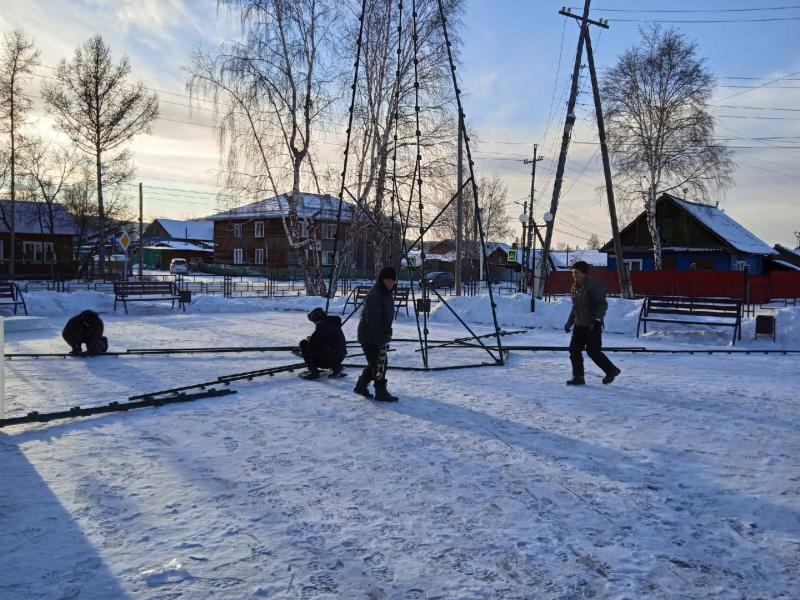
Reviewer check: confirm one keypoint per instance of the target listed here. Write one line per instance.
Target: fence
(763, 289)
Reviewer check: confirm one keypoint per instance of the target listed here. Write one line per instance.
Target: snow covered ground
(680, 480)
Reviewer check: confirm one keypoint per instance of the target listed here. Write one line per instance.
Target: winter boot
(382, 394)
(611, 375)
(310, 375)
(361, 385)
(576, 381)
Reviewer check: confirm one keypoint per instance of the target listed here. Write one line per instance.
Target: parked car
(179, 266)
(440, 279)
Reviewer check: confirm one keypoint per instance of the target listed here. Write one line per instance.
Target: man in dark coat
(374, 334)
(85, 328)
(588, 311)
(326, 347)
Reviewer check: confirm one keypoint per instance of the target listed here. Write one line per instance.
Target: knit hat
(316, 314)
(388, 273)
(581, 266)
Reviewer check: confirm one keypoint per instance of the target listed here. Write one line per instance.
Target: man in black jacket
(326, 347)
(374, 334)
(589, 307)
(85, 328)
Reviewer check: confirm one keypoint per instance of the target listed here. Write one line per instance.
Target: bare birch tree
(385, 140)
(48, 170)
(659, 124)
(18, 57)
(272, 88)
(100, 110)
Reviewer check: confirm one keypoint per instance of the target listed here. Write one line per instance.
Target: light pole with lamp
(523, 218)
(539, 286)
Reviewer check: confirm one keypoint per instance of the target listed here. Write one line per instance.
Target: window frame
(238, 256)
(259, 229)
(238, 230)
(259, 256)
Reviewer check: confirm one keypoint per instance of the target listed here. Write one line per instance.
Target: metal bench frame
(11, 295)
(673, 307)
(155, 290)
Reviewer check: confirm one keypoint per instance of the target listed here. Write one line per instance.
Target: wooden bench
(401, 295)
(146, 291)
(356, 297)
(721, 312)
(10, 295)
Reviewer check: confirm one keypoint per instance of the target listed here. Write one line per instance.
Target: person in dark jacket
(586, 323)
(326, 347)
(374, 334)
(85, 328)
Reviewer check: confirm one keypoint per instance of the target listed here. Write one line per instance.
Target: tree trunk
(652, 226)
(12, 253)
(101, 221)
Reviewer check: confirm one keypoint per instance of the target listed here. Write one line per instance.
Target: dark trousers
(315, 360)
(377, 361)
(583, 338)
(98, 345)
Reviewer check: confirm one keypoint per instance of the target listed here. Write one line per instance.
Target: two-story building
(255, 234)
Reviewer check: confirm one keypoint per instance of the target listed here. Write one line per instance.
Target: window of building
(259, 256)
(328, 232)
(327, 258)
(702, 264)
(38, 251)
(303, 229)
(633, 264)
(237, 230)
(238, 256)
(259, 229)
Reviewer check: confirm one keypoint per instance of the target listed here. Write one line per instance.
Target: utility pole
(625, 287)
(528, 243)
(141, 232)
(460, 204)
(569, 123)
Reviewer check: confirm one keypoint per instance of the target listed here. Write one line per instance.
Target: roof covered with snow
(33, 217)
(726, 228)
(312, 206)
(188, 230)
(179, 245)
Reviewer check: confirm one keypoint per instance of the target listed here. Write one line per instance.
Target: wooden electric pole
(528, 243)
(569, 123)
(625, 287)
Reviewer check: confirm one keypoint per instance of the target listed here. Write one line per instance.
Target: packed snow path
(681, 480)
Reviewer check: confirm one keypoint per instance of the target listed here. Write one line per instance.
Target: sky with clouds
(517, 56)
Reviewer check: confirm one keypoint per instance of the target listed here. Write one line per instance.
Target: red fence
(778, 285)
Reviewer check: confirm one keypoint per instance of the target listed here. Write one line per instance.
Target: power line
(760, 86)
(705, 21)
(697, 10)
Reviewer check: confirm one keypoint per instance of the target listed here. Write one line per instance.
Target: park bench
(146, 291)
(401, 299)
(10, 295)
(356, 297)
(717, 312)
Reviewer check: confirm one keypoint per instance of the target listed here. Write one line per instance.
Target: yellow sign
(124, 240)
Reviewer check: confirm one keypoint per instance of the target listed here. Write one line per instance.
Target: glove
(597, 325)
(567, 326)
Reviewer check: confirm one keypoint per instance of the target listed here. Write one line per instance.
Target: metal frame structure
(496, 353)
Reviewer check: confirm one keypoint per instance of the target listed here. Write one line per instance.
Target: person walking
(374, 334)
(585, 321)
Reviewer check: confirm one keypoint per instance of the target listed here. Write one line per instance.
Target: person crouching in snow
(85, 328)
(589, 307)
(374, 334)
(326, 347)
